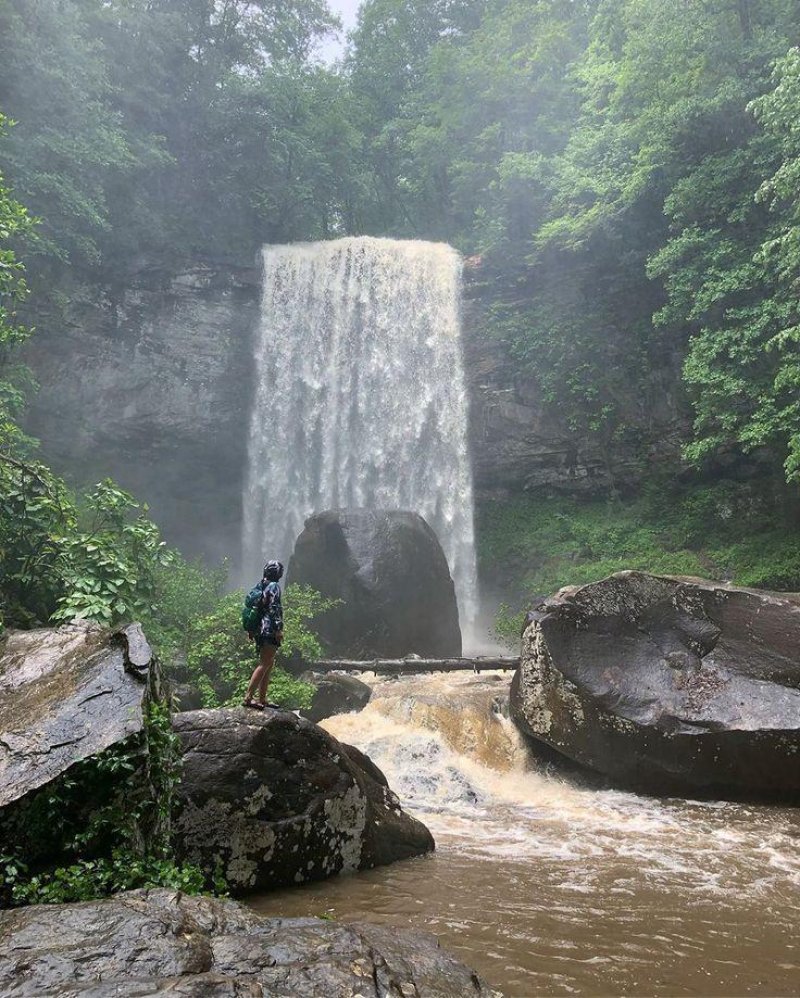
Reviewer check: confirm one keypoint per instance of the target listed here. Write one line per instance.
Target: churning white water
(551, 886)
(360, 397)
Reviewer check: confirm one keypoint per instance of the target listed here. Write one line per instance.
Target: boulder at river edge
(70, 694)
(270, 799)
(335, 693)
(388, 569)
(158, 942)
(668, 684)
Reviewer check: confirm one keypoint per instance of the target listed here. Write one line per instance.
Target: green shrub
(62, 556)
(221, 657)
(101, 827)
(88, 879)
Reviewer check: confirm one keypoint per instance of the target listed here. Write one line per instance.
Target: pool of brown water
(550, 888)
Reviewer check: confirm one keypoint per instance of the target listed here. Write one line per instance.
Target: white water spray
(360, 397)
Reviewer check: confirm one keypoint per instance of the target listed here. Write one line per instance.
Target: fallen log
(413, 666)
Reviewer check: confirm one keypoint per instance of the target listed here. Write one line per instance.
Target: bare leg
(267, 661)
(255, 679)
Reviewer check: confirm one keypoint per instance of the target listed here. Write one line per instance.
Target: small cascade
(360, 396)
(448, 749)
(454, 758)
(548, 886)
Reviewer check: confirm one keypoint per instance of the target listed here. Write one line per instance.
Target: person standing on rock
(268, 635)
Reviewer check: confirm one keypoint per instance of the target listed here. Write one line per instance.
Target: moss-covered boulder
(269, 799)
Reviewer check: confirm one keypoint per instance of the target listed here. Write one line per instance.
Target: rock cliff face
(150, 384)
(519, 443)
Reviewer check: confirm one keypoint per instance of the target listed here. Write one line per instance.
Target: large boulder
(335, 693)
(158, 942)
(668, 684)
(270, 799)
(388, 569)
(68, 696)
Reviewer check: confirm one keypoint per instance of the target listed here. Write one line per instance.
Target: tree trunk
(412, 666)
(745, 18)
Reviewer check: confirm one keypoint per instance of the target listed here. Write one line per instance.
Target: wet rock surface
(670, 684)
(150, 383)
(390, 572)
(185, 697)
(158, 942)
(272, 800)
(66, 694)
(335, 694)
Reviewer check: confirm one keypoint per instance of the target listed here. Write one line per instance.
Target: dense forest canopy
(628, 172)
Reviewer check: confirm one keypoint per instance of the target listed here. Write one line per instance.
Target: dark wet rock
(70, 695)
(158, 942)
(271, 799)
(669, 684)
(186, 697)
(388, 568)
(335, 694)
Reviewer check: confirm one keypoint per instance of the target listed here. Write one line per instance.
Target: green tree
(15, 224)
(731, 271)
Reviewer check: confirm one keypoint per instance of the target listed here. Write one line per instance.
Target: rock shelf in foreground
(672, 684)
(159, 942)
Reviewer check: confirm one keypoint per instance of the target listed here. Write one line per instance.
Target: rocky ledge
(668, 684)
(68, 693)
(158, 942)
(72, 699)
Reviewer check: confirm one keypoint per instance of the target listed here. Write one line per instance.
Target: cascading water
(361, 397)
(549, 885)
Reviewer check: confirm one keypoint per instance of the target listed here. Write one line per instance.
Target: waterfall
(360, 396)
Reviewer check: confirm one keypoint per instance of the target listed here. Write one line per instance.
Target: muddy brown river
(547, 887)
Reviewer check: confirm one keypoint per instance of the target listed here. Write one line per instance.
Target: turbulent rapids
(360, 398)
(550, 885)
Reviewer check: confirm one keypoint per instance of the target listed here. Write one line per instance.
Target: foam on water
(522, 812)
(549, 887)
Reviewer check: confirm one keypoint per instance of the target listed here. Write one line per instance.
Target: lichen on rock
(270, 799)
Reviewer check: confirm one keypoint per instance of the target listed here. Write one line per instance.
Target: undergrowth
(531, 547)
(102, 827)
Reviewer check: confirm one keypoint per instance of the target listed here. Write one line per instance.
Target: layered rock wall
(152, 384)
(520, 443)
